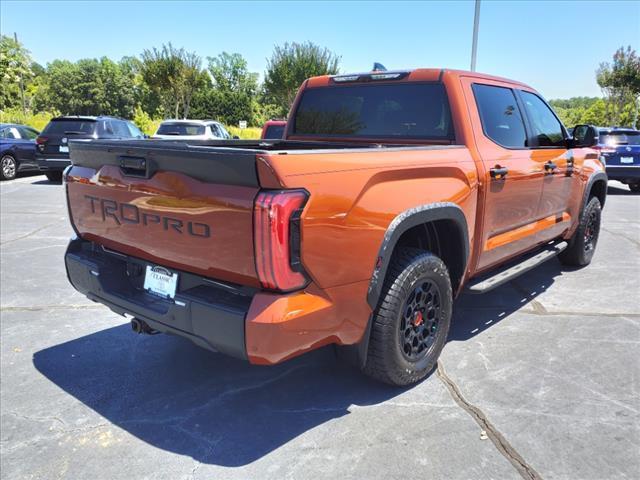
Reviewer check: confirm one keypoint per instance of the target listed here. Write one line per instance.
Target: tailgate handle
(136, 166)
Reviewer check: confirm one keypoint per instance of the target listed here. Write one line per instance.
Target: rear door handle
(550, 167)
(498, 172)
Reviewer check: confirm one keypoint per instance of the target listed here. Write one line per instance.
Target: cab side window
(500, 115)
(546, 128)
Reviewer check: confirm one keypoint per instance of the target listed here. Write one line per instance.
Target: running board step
(485, 284)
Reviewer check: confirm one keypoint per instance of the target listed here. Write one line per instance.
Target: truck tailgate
(178, 206)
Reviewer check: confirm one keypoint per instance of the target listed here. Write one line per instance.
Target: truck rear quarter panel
(353, 199)
(355, 196)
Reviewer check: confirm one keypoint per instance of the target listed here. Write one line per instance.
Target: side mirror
(236, 137)
(583, 136)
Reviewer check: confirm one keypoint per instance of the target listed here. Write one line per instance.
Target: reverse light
(276, 219)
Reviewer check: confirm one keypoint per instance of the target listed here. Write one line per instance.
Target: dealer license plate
(160, 281)
(626, 159)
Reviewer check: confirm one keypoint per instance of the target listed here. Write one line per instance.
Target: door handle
(550, 167)
(498, 172)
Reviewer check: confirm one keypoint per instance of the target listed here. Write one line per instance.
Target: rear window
(69, 127)
(274, 131)
(181, 129)
(403, 111)
(620, 138)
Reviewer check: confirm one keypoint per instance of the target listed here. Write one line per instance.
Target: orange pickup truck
(390, 193)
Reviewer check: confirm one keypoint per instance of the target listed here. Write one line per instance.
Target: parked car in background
(273, 129)
(52, 152)
(620, 151)
(17, 149)
(191, 130)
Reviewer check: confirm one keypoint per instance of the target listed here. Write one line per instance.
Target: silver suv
(191, 130)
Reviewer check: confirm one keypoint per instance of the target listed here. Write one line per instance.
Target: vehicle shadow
(217, 410)
(222, 411)
(474, 314)
(45, 182)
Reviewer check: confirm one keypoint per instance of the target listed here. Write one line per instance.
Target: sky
(554, 46)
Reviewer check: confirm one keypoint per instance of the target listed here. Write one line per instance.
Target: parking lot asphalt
(540, 379)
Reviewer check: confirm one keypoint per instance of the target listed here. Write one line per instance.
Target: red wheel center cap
(417, 321)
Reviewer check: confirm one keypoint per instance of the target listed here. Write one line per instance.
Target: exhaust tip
(136, 325)
(140, 326)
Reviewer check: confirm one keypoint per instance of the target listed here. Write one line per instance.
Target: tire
(634, 187)
(582, 244)
(417, 282)
(55, 177)
(8, 167)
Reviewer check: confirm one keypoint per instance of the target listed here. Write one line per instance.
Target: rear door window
(28, 133)
(120, 129)
(215, 131)
(546, 128)
(70, 126)
(500, 115)
(403, 111)
(134, 131)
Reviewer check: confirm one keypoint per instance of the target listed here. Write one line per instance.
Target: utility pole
(474, 46)
(24, 108)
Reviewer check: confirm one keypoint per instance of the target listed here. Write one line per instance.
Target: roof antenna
(378, 67)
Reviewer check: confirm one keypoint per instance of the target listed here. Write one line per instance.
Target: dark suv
(52, 152)
(620, 152)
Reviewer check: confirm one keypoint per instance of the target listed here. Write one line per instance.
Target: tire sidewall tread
(385, 360)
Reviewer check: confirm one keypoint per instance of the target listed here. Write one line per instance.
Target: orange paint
(354, 195)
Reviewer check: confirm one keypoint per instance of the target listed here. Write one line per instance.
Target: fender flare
(595, 177)
(403, 222)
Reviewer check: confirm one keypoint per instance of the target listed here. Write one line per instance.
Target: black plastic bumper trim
(210, 316)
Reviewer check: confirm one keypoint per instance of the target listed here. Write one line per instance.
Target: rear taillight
(40, 141)
(276, 219)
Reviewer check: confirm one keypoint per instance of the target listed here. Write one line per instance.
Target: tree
(580, 110)
(230, 73)
(174, 75)
(290, 65)
(15, 67)
(620, 81)
(232, 96)
(87, 87)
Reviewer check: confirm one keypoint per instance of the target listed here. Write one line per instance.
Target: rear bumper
(261, 327)
(208, 315)
(52, 164)
(629, 174)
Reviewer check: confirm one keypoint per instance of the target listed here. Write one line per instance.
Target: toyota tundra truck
(390, 194)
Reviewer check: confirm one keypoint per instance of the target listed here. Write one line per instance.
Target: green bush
(144, 122)
(251, 133)
(36, 120)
